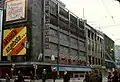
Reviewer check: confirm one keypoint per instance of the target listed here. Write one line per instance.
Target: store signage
(15, 10)
(13, 41)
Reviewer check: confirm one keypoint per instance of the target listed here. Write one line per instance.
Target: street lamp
(35, 69)
(12, 69)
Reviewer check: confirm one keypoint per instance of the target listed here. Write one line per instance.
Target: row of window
(65, 50)
(64, 37)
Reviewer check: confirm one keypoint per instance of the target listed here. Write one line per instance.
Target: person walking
(119, 76)
(115, 76)
(86, 77)
(31, 76)
(7, 78)
(20, 77)
(109, 77)
(66, 77)
(54, 74)
(100, 76)
(44, 75)
(94, 77)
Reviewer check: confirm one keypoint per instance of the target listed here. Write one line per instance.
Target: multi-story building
(109, 52)
(117, 56)
(42, 34)
(95, 47)
(47, 35)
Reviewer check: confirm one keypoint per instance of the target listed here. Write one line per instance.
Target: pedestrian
(44, 75)
(119, 76)
(86, 77)
(100, 76)
(66, 77)
(109, 77)
(7, 78)
(31, 76)
(54, 74)
(94, 77)
(16, 80)
(20, 77)
(115, 76)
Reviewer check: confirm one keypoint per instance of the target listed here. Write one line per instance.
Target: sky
(103, 15)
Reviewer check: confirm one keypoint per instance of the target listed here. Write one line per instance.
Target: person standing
(94, 77)
(31, 76)
(100, 77)
(109, 77)
(115, 76)
(54, 74)
(7, 78)
(86, 77)
(66, 77)
(44, 75)
(20, 77)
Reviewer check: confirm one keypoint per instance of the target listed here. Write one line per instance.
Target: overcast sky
(101, 14)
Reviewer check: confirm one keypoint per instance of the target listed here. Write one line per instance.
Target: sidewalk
(58, 80)
(48, 80)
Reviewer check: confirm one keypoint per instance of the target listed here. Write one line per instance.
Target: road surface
(59, 80)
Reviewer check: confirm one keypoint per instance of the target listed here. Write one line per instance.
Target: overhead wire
(107, 10)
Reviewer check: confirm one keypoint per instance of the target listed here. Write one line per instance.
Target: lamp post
(12, 69)
(35, 70)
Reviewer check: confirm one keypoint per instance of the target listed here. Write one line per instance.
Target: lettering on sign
(47, 22)
(13, 41)
(15, 9)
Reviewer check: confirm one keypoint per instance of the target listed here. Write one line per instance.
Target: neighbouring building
(95, 47)
(109, 52)
(117, 56)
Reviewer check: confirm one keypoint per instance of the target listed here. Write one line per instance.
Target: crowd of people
(94, 76)
(114, 76)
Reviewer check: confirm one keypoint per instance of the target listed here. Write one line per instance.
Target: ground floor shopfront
(37, 68)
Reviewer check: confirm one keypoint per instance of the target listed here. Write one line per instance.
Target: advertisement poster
(14, 41)
(15, 10)
(1, 22)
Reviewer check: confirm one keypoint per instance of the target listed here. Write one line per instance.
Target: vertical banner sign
(14, 41)
(15, 10)
(47, 22)
(1, 22)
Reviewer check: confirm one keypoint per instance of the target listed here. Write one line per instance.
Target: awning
(72, 68)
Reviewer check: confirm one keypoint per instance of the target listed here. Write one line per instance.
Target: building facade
(109, 52)
(95, 47)
(43, 34)
(117, 57)
(48, 36)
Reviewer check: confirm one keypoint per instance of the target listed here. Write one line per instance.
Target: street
(60, 80)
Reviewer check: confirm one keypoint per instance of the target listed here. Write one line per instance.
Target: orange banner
(14, 41)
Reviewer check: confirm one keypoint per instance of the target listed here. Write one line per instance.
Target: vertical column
(69, 34)
(58, 54)
(78, 45)
(46, 25)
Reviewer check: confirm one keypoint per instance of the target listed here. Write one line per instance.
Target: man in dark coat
(7, 78)
(94, 77)
(86, 77)
(66, 77)
(54, 74)
(100, 77)
(44, 75)
(20, 77)
(115, 76)
(31, 76)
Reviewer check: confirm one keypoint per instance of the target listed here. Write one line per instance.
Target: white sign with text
(15, 10)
